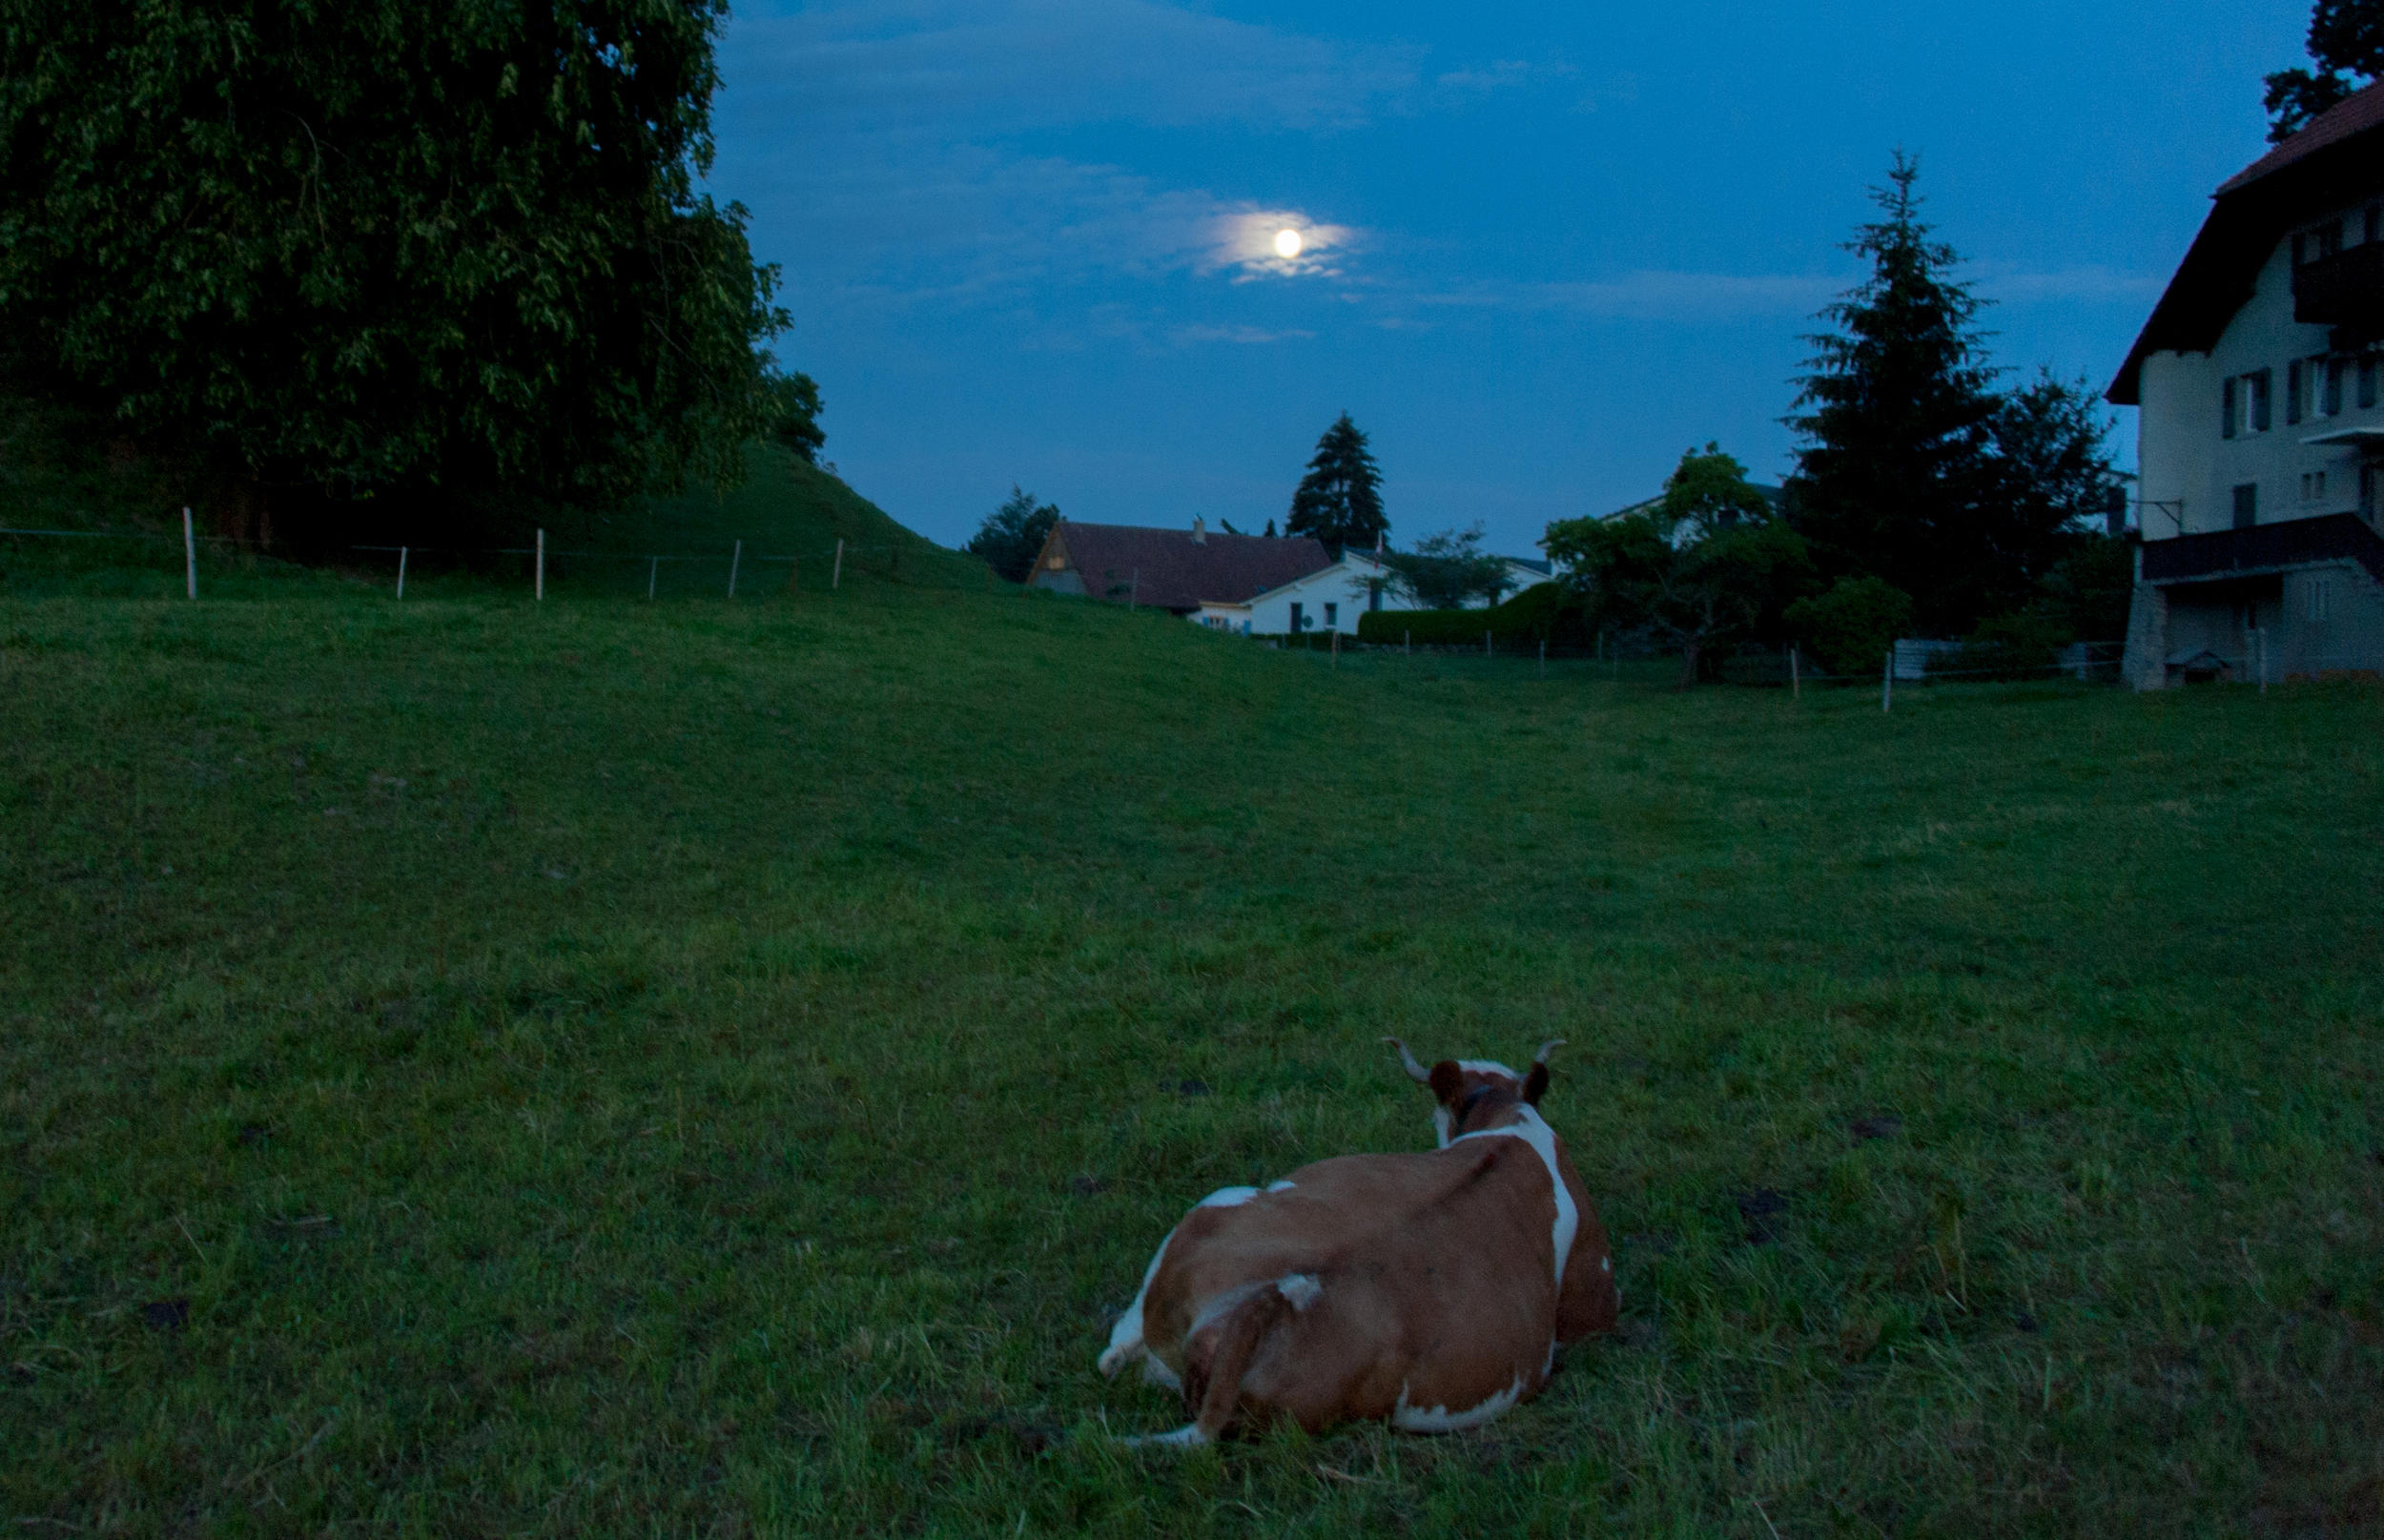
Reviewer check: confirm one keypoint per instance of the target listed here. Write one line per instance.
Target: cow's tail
(1218, 1350)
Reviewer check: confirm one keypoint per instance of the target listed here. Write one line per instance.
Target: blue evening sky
(1549, 246)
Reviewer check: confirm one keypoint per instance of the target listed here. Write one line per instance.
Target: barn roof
(2332, 161)
(1169, 569)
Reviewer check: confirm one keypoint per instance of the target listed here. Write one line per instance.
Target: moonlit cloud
(1247, 336)
(1244, 240)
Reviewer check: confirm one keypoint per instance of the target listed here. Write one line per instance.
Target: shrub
(2011, 645)
(1850, 628)
(1543, 612)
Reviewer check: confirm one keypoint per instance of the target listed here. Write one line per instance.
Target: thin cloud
(1653, 295)
(1250, 335)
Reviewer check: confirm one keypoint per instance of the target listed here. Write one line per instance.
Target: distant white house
(1333, 598)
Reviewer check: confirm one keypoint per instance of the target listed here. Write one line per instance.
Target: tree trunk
(1688, 662)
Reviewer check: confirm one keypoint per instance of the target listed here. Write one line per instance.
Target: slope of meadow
(477, 1067)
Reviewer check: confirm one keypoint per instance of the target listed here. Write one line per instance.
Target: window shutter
(2227, 408)
(2367, 382)
(2295, 384)
(2260, 422)
(2335, 385)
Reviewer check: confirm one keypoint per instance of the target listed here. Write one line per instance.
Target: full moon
(1286, 244)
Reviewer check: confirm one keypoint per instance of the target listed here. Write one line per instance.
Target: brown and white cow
(1432, 1290)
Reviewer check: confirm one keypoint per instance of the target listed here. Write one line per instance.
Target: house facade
(2261, 423)
(1333, 598)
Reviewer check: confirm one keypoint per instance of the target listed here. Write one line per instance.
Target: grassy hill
(474, 1067)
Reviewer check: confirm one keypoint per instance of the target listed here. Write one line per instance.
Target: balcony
(2264, 548)
(2344, 291)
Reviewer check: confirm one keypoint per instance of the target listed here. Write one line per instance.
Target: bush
(2014, 646)
(1543, 612)
(1850, 628)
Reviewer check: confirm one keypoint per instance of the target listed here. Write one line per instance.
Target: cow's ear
(1535, 1084)
(1446, 1080)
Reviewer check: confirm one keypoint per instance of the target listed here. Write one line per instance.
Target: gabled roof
(2337, 159)
(1168, 570)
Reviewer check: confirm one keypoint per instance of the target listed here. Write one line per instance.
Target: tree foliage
(1915, 468)
(1850, 628)
(320, 250)
(789, 416)
(2347, 44)
(1013, 534)
(1447, 570)
(1704, 565)
(1340, 500)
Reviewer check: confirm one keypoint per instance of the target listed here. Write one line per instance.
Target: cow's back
(1429, 1280)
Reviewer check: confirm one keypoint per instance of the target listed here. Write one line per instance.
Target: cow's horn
(1547, 1048)
(1406, 1061)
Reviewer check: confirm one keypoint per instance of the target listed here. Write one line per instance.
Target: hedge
(1544, 613)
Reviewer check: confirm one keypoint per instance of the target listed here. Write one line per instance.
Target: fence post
(653, 571)
(1796, 675)
(1543, 657)
(794, 574)
(542, 567)
(1336, 646)
(1407, 642)
(2261, 631)
(1887, 682)
(1487, 651)
(1134, 587)
(190, 556)
(735, 557)
(401, 554)
(835, 579)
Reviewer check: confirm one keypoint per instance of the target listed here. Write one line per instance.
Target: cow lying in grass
(1432, 1290)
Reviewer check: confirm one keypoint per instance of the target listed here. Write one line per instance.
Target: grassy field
(469, 1067)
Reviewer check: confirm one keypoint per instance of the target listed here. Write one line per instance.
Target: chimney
(1199, 530)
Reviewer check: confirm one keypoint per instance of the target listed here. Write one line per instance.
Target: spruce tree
(1340, 500)
(1898, 415)
(2347, 44)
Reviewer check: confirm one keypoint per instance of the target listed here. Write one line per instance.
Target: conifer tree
(1898, 416)
(1340, 500)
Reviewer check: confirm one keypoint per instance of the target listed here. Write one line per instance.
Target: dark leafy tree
(1012, 535)
(322, 250)
(790, 415)
(1703, 567)
(1340, 500)
(2051, 477)
(2347, 44)
(1447, 570)
(1849, 629)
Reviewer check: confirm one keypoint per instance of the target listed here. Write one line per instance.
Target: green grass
(694, 1068)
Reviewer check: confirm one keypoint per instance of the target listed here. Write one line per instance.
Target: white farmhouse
(1333, 598)
(2261, 429)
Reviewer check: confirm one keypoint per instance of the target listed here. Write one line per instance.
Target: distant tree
(790, 415)
(2089, 589)
(313, 252)
(2051, 480)
(1270, 529)
(1446, 569)
(1340, 500)
(1702, 568)
(2347, 44)
(1898, 417)
(1012, 535)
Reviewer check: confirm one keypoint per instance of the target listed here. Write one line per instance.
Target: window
(2247, 506)
(2335, 370)
(2321, 599)
(1332, 617)
(2297, 390)
(2314, 487)
(2228, 392)
(2256, 384)
(2367, 381)
(2367, 492)
(1298, 621)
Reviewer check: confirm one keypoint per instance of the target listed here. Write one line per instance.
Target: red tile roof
(1168, 570)
(2361, 110)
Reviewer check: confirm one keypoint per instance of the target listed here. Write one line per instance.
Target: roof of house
(2331, 162)
(1169, 569)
